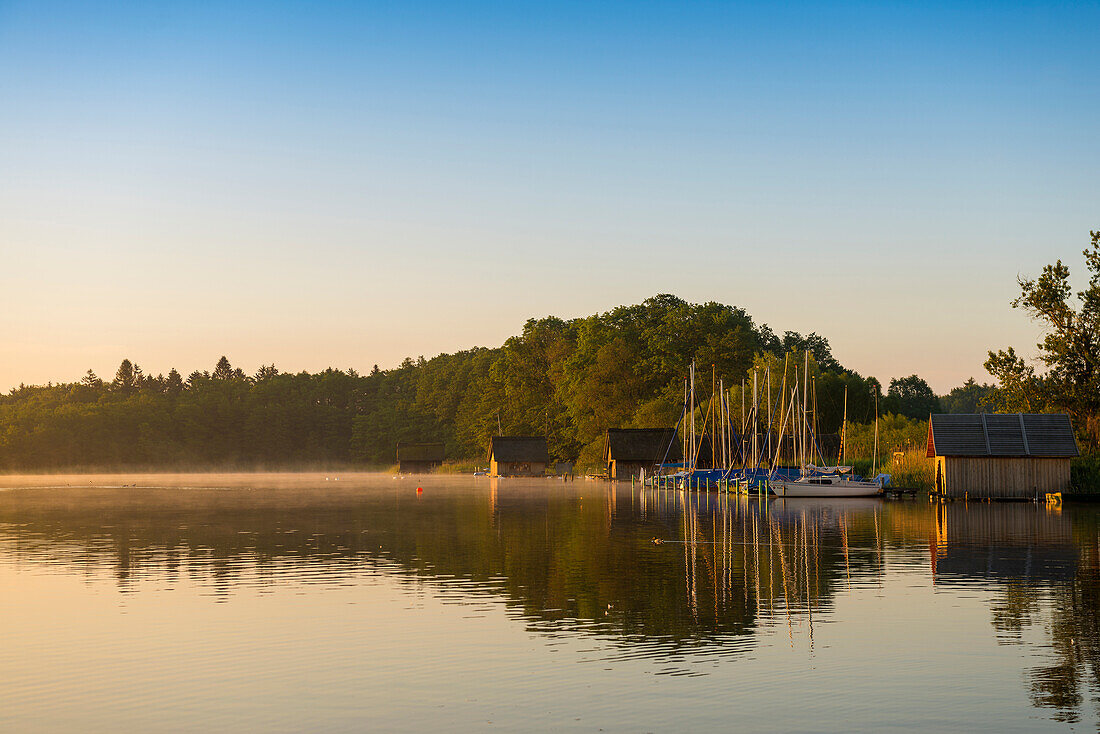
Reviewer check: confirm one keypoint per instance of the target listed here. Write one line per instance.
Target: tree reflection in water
(1043, 565)
(580, 558)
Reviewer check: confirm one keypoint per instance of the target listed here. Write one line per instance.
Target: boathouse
(629, 451)
(1001, 456)
(518, 456)
(419, 458)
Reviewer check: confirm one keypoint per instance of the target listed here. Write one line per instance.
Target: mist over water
(354, 602)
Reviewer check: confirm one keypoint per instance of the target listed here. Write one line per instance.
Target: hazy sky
(341, 183)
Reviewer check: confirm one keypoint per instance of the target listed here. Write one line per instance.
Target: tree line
(566, 379)
(569, 380)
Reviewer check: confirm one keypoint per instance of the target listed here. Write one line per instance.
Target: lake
(356, 602)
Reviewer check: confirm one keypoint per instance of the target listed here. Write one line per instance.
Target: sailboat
(828, 481)
(832, 485)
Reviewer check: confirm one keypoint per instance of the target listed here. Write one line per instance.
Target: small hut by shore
(629, 451)
(419, 458)
(518, 456)
(1001, 456)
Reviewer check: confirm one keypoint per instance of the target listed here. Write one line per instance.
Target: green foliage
(970, 397)
(1070, 348)
(1084, 475)
(1019, 390)
(895, 433)
(912, 397)
(569, 380)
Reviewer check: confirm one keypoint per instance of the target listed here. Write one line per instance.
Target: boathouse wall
(419, 458)
(623, 469)
(627, 451)
(517, 468)
(979, 477)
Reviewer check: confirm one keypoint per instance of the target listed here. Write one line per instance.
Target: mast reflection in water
(285, 602)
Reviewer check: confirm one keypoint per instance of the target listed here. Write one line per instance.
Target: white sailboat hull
(825, 487)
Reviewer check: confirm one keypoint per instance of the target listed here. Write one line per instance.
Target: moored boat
(827, 486)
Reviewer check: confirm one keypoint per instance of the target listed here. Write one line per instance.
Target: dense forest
(566, 379)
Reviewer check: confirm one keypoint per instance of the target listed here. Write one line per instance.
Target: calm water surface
(300, 603)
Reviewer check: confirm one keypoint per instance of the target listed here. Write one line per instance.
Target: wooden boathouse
(518, 456)
(1001, 456)
(419, 458)
(629, 451)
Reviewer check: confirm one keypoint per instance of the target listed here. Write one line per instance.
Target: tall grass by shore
(908, 469)
(459, 466)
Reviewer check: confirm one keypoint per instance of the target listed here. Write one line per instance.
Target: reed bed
(911, 469)
(1084, 475)
(908, 469)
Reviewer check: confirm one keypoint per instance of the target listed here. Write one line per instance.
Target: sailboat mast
(798, 436)
(722, 405)
(713, 419)
(685, 437)
(768, 440)
(755, 421)
(693, 455)
(813, 425)
(805, 404)
(874, 457)
(783, 401)
(729, 418)
(843, 429)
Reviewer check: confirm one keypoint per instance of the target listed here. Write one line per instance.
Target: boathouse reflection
(1045, 568)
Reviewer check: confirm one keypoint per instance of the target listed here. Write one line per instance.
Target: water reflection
(680, 578)
(719, 565)
(1044, 565)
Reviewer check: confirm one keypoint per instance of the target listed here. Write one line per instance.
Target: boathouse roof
(642, 445)
(1040, 435)
(518, 448)
(420, 452)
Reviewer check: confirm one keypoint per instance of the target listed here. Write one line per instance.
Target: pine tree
(173, 384)
(124, 381)
(223, 370)
(266, 372)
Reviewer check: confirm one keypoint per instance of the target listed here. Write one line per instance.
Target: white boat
(828, 486)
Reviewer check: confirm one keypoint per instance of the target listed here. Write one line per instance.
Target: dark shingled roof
(420, 452)
(1010, 434)
(518, 448)
(642, 444)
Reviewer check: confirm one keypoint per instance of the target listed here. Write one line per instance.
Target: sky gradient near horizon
(345, 184)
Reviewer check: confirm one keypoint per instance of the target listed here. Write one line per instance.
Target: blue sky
(345, 184)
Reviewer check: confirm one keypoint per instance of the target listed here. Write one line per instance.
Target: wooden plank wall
(626, 469)
(1004, 477)
(517, 468)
